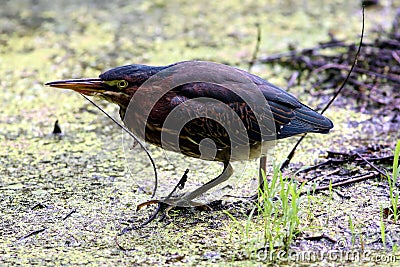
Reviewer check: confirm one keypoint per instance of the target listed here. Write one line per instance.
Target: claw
(165, 207)
(161, 207)
(147, 203)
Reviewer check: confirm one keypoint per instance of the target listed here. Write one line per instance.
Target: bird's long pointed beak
(88, 87)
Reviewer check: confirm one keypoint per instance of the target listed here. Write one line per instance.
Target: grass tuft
(272, 224)
(393, 193)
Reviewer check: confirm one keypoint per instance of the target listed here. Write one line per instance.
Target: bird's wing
(292, 116)
(280, 113)
(218, 103)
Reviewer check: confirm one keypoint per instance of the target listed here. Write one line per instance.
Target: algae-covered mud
(64, 199)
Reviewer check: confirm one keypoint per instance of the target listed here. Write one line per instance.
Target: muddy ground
(65, 199)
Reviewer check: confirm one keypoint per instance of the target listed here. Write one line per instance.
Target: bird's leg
(262, 173)
(261, 179)
(162, 206)
(166, 204)
(188, 197)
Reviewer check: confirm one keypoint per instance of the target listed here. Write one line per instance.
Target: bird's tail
(306, 120)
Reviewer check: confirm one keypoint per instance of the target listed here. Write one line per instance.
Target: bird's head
(116, 85)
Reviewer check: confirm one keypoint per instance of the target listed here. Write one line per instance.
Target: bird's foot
(165, 205)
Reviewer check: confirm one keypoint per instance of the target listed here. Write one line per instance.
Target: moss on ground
(87, 174)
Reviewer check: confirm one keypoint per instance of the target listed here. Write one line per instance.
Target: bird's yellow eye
(122, 84)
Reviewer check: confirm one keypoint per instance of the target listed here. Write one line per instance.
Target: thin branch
(291, 154)
(134, 137)
(32, 234)
(371, 164)
(293, 53)
(345, 67)
(257, 48)
(347, 182)
(319, 237)
(347, 158)
(69, 214)
(351, 69)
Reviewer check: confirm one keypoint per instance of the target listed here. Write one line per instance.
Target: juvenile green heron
(202, 110)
